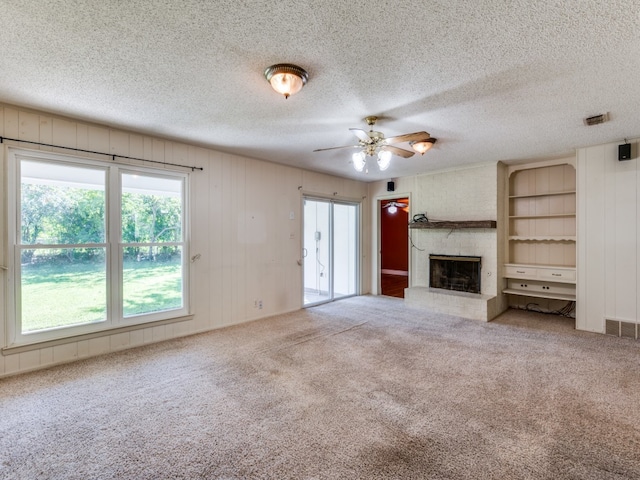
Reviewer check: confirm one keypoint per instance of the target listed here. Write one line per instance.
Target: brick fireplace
(462, 195)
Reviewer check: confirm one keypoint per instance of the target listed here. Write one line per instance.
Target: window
(95, 246)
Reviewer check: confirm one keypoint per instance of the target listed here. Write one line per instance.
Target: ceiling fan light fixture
(392, 209)
(384, 159)
(359, 161)
(286, 79)
(421, 146)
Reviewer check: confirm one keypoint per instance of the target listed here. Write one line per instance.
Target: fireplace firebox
(455, 272)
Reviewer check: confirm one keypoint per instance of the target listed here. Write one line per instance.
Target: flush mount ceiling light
(422, 146)
(374, 144)
(286, 79)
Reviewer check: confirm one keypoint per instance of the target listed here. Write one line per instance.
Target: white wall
(608, 237)
(240, 225)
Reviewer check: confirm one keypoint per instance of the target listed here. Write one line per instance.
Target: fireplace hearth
(455, 272)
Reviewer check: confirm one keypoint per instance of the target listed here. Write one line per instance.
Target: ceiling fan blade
(362, 135)
(336, 148)
(401, 152)
(407, 137)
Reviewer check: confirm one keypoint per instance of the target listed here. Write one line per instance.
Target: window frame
(113, 244)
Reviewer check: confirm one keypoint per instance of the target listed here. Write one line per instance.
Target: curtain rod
(113, 157)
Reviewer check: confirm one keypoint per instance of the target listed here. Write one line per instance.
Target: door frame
(378, 203)
(332, 200)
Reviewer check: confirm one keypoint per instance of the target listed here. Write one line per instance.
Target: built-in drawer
(519, 271)
(566, 275)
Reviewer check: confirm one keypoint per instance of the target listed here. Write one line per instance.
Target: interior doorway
(394, 246)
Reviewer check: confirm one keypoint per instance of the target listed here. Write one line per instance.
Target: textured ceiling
(492, 80)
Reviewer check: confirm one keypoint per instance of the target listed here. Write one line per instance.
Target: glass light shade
(286, 78)
(286, 83)
(392, 209)
(384, 159)
(423, 145)
(359, 161)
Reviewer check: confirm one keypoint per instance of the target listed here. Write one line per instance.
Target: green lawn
(60, 295)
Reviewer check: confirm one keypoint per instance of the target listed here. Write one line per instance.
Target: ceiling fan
(393, 203)
(393, 206)
(374, 143)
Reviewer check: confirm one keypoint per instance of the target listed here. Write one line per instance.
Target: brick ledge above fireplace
(449, 302)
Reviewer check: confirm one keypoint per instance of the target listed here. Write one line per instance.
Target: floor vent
(612, 327)
(628, 330)
(622, 329)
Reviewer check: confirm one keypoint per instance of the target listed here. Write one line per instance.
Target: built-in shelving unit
(542, 231)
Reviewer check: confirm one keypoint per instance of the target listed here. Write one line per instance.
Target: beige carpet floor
(363, 388)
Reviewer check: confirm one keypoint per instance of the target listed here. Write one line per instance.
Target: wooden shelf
(550, 194)
(552, 215)
(452, 225)
(545, 238)
(552, 296)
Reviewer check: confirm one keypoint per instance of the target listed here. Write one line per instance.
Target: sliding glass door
(330, 250)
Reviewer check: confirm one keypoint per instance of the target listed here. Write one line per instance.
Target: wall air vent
(596, 119)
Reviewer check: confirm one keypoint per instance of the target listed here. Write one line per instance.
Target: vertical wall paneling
(635, 146)
(65, 353)
(136, 338)
(200, 237)
(626, 220)
(228, 225)
(581, 231)
(136, 148)
(251, 234)
(119, 341)
(99, 139)
(607, 165)
(119, 143)
(29, 126)
(595, 240)
(46, 131)
(147, 146)
(219, 214)
(11, 364)
(609, 231)
(240, 223)
(3, 251)
(99, 345)
(158, 333)
(83, 348)
(82, 139)
(46, 356)
(293, 254)
(29, 360)
(65, 133)
(157, 150)
(11, 123)
(237, 242)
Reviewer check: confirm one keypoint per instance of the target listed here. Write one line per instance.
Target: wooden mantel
(450, 225)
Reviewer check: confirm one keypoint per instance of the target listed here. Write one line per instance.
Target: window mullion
(114, 268)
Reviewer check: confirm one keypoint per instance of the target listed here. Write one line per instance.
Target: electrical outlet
(259, 304)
